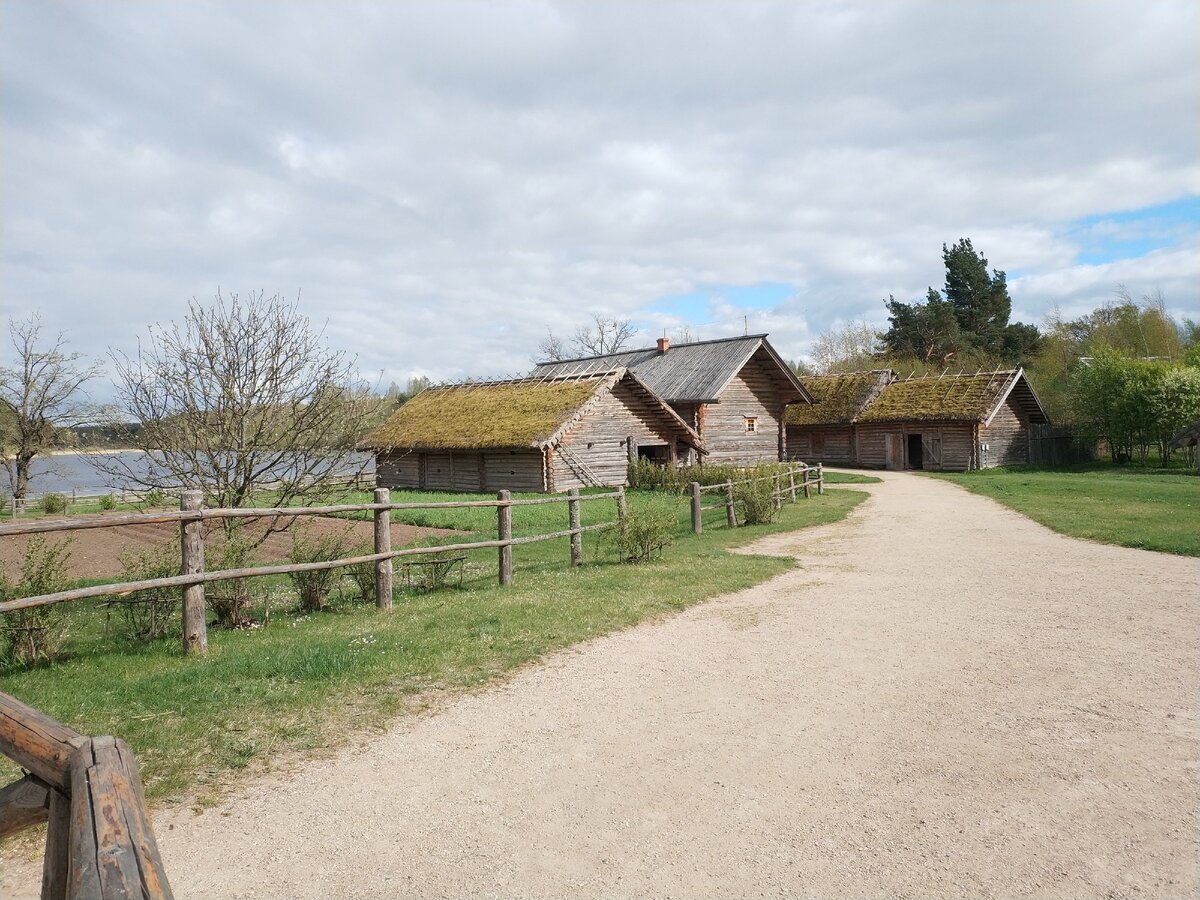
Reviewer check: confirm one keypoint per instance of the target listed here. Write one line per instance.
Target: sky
(441, 183)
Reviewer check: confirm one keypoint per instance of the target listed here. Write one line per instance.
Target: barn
(531, 434)
(823, 431)
(733, 392)
(947, 422)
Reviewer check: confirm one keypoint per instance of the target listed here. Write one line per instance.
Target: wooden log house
(947, 422)
(733, 392)
(547, 433)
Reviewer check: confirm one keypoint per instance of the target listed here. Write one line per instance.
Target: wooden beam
(23, 804)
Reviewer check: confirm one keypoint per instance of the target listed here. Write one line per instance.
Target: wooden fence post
(573, 524)
(504, 520)
(777, 490)
(383, 544)
(807, 487)
(195, 628)
(697, 520)
(622, 509)
(730, 512)
(792, 482)
(58, 838)
(820, 478)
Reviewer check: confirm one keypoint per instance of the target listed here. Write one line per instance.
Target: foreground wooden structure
(99, 843)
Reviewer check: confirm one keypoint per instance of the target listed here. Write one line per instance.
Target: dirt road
(944, 699)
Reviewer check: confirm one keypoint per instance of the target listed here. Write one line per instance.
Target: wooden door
(931, 450)
(894, 450)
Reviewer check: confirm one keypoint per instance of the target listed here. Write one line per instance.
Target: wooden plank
(23, 804)
(116, 859)
(36, 742)
(154, 882)
(56, 860)
(83, 873)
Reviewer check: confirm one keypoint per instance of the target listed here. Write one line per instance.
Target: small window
(751, 424)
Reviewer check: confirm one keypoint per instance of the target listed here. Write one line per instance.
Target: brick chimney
(664, 344)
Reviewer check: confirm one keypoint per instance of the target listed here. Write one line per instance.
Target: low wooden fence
(810, 477)
(192, 578)
(99, 843)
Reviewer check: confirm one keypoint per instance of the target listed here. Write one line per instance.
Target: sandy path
(946, 699)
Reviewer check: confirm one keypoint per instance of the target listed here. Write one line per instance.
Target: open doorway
(659, 454)
(916, 453)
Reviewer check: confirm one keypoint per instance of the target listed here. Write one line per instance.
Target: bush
(30, 636)
(314, 588)
(155, 612)
(54, 504)
(758, 501)
(363, 575)
(648, 528)
(153, 498)
(108, 502)
(230, 599)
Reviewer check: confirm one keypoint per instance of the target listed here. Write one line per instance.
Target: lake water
(74, 472)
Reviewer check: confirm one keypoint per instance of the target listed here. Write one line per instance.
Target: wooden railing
(99, 843)
(192, 516)
(810, 476)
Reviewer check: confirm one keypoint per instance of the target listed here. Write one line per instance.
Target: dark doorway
(656, 453)
(916, 453)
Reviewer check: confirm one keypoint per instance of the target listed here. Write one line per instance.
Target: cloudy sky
(442, 182)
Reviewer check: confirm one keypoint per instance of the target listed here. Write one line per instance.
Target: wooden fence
(192, 578)
(99, 843)
(810, 476)
(1058, 445)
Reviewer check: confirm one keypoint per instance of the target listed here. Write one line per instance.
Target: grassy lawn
(1114, 506)
(849, 478)
(305, 682)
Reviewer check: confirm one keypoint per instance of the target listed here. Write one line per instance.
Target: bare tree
(39, 394)
(241, 395)
(847, 349)
(601, 336)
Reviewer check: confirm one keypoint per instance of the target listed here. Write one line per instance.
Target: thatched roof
(839, 398)
(966, 398)
(696, 372)
(521, 413)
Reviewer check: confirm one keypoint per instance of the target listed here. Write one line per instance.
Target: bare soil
(944, 699)
(97, 552)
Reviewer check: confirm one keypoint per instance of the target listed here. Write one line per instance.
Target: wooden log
(56, 861)
(792, 482)
(36, 742)
(504, 528)
(573, 525)
(820, 478)
(777, 490)
(23, 804)
(807, 484)
(383, 544)
(730, 511)
(622, 509)
(195, 626)
(697, 515)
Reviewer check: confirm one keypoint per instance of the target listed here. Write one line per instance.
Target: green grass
(849, 478)
(300, 683)
(1111, 505)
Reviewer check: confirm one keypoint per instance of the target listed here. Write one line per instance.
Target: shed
(950, 422)
(733, 392)
(532, 434)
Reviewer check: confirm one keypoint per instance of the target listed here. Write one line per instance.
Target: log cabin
(733, 392)
(946, 422)
(542, 434)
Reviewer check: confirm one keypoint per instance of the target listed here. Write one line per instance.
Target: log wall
(752, 392)
(599, 439)
(460, 470)
(826, 443)
(1007, 438)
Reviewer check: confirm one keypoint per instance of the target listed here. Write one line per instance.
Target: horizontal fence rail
(99, 842)
(811, 475)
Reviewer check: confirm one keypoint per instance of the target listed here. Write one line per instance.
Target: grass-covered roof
(968, 398)
(839, 398)
(524, 413)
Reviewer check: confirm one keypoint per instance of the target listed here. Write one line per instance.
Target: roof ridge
(652, 349)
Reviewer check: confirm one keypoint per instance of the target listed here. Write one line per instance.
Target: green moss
(968, 398)
(839, 398)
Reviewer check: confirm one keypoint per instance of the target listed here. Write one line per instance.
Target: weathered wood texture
(504, 529)
(598, 443)
(755, 393)
(1007, 437)
(461, 470)
(112, 852)
(23, 804)
(383, 544)
(36, 742)
(821, 443)
(195, 626)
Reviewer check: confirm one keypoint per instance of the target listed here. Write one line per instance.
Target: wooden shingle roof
(839, 398)
(689, 373)
(519, 413)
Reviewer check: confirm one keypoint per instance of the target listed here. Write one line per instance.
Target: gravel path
(944, 699)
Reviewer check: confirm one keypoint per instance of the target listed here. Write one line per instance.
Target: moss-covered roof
(969, 398)
(839, 397)
(523, 413)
